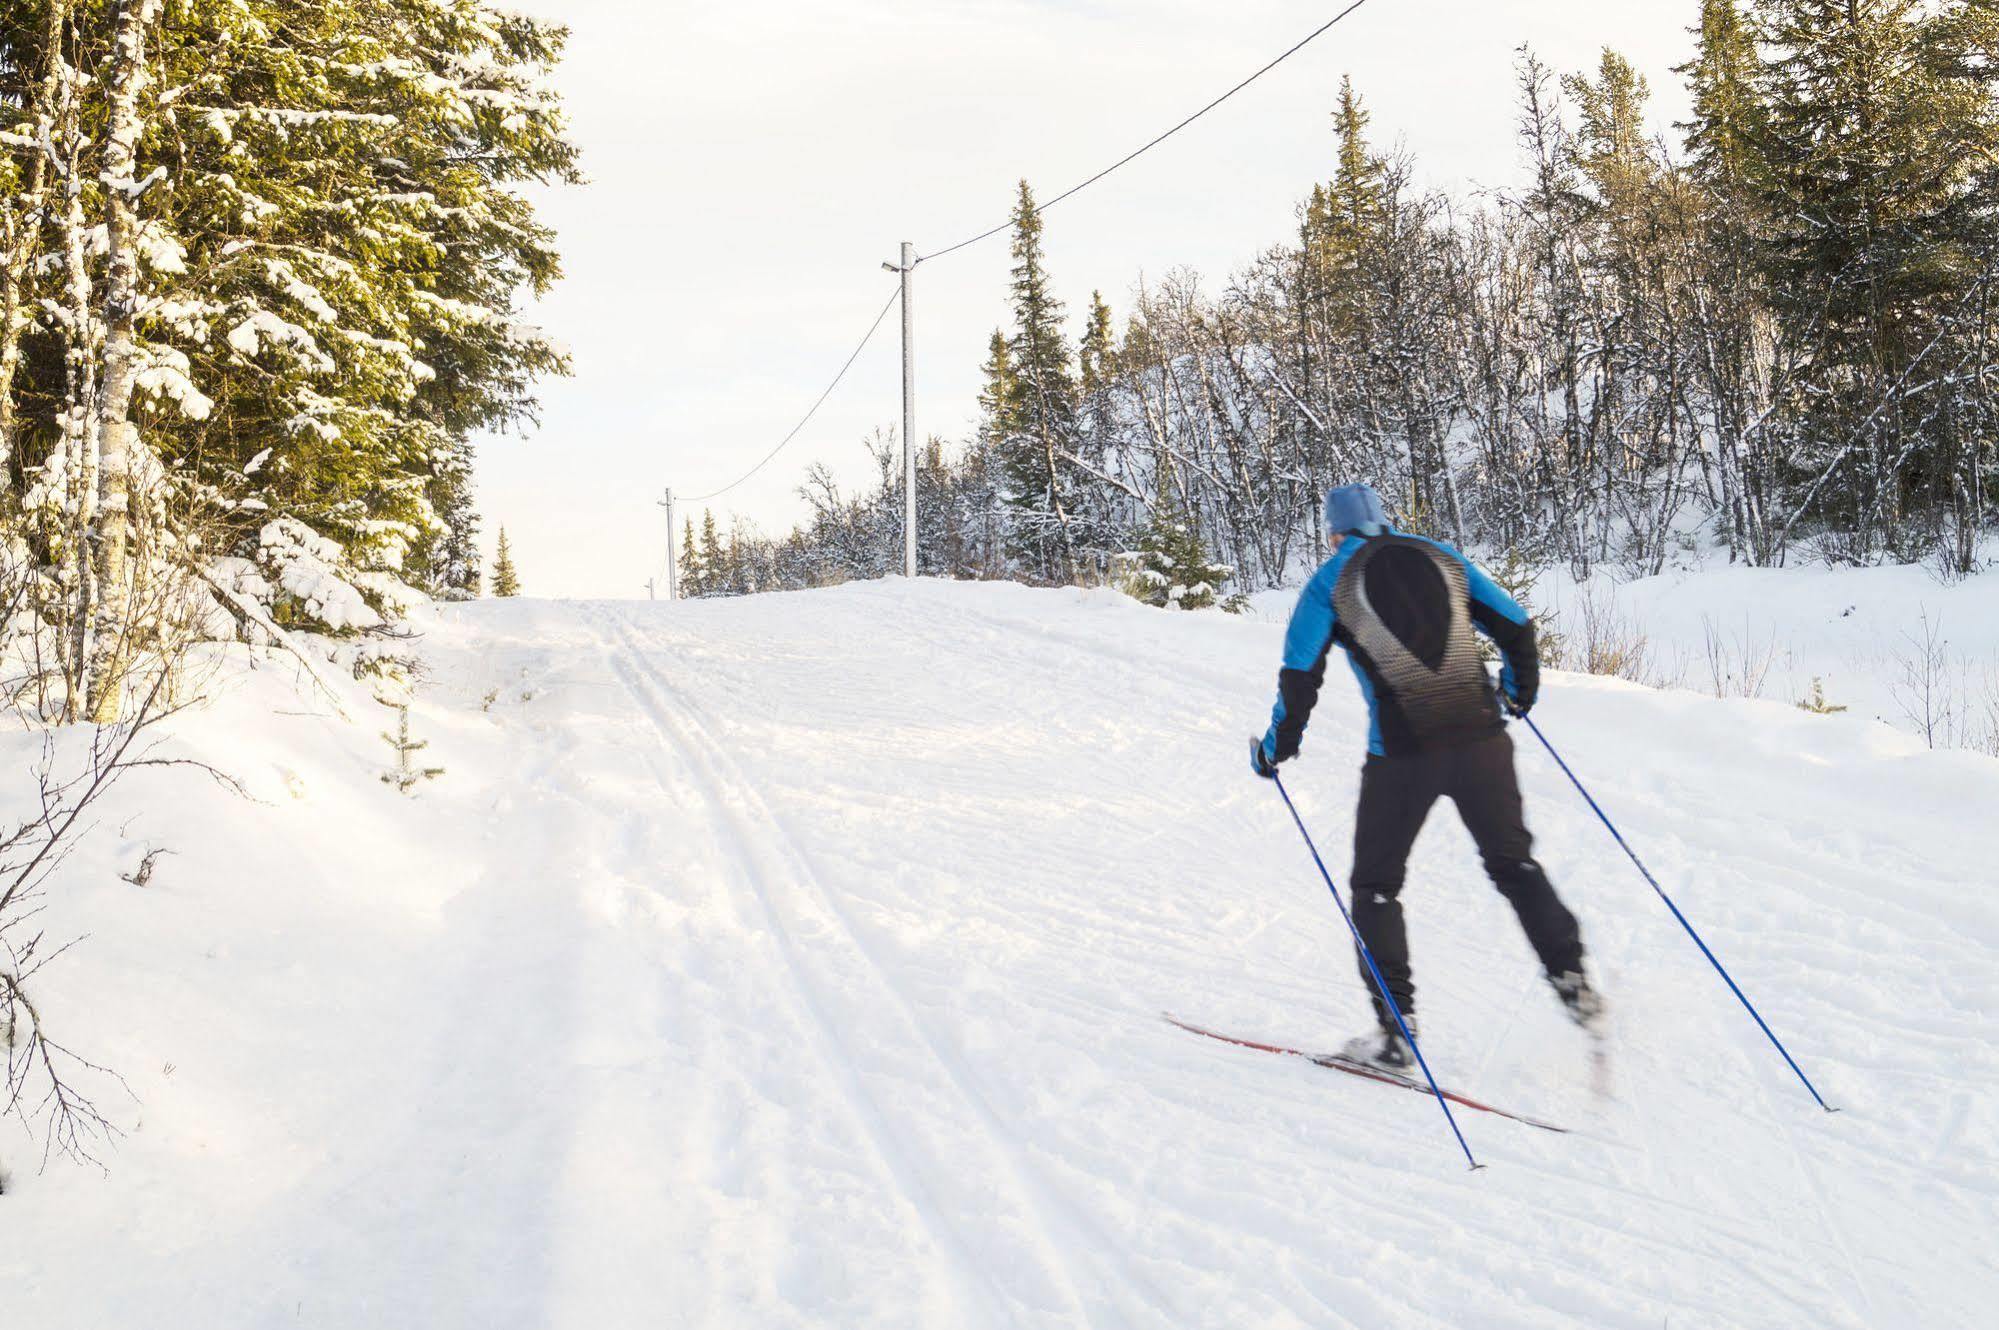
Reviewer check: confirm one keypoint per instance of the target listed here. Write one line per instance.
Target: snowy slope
(797, 961)
(1860, 633)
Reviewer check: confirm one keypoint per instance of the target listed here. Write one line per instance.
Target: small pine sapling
(1516, 577)
(1170, 567)
(506, 579)
(390, 673)
(405, 775)
(1817, 702)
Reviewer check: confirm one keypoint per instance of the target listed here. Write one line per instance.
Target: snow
(263, 328)
(304, 293)
(164, 372)
(308, 567)
(798, 960)
(1855, 630)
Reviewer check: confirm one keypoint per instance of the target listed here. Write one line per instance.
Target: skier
(1403, 608)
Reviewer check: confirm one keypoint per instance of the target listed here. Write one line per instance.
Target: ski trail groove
(910, 1176)
(918, 1195)
(1063, 1228)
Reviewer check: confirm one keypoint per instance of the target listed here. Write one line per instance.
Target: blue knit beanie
(1355, 508)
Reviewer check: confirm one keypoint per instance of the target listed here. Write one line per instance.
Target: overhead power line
(867, 337)
(1140, 152)
(909, 263)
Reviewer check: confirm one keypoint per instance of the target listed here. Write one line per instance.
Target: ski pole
(1375, 970)
(1713, 960)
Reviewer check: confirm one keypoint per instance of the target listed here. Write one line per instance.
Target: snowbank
(1894, 644)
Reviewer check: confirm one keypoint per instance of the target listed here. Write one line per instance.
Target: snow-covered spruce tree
(1643, 268)
(283, 247)
(692, 573)
(396, 278)
(1170, 567)
(1872, 147)
(742, 576)
(506, 579)
(999, 407)
(717, 576)
(1341, 218)
(1730, 326)
(1964, 471)
(1037, 432)
(448, 566)
(1106, 504)
(34, 87)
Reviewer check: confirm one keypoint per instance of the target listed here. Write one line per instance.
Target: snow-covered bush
(1170, 568)
(311, 579)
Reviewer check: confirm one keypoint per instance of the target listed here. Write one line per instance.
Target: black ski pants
(1395, 797)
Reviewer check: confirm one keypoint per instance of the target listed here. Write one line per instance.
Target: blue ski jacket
(1404, 608)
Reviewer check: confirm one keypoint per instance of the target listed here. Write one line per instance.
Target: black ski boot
(1585, 1005)
(1385, 1048)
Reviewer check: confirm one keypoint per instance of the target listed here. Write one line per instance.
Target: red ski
(1365, 1070)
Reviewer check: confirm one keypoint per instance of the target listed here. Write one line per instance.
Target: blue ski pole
(1712, 958)
(1375, 970)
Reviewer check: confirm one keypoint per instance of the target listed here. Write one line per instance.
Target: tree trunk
(117, 436)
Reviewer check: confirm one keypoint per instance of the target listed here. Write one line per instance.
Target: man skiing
(1403, 609)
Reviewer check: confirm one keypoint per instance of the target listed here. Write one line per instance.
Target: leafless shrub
(1948, 699)
(49, 648)
(1985, 710)
(48, 1085)
(1923, 689)
(1604, 641)
(43, 1077)
(1738, 664)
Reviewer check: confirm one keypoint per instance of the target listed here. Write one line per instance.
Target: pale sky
(752, 164)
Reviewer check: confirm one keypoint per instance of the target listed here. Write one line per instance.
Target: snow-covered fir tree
(1875, 157)
(506, 579)
(715, 571)
(1037, 431)
(1170, 568)
(693, 573)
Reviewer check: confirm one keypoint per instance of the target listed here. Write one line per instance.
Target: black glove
(1263, 757)
(1518, 700)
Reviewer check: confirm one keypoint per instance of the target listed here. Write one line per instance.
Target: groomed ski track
(967, 839)
(799, 962)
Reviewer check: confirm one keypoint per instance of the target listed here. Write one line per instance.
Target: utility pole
(672, 577)
(907, 271)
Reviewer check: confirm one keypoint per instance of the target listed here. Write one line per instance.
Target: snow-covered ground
(798, 961)
(1893, 643)
(1863, 634)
